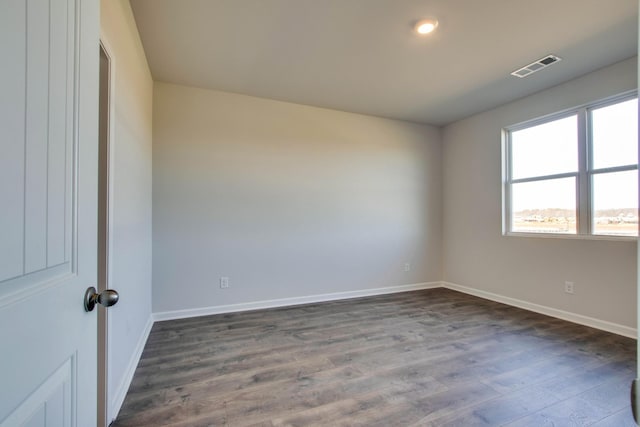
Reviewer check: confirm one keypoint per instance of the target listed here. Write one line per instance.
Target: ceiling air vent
(536, 66)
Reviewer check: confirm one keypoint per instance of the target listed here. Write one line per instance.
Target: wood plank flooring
(425, 358)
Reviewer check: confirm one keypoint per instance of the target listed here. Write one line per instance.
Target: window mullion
(584, 180)
(614, 169)
(507, 181)
(544, 177)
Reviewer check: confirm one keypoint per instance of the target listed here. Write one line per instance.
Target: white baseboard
(549, 311)
(284, 302)
(121, 391)
(123, 387)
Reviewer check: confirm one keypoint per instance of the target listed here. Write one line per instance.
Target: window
(574, 173)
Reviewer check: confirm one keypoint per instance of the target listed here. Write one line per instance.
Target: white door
(48, 175)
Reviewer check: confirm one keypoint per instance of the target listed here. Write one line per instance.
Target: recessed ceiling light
(426, 26)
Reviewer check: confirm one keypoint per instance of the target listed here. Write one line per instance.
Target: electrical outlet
(568, 287)
(407, 266)
(224, 282)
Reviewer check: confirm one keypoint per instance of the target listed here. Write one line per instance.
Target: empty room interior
(369, 212)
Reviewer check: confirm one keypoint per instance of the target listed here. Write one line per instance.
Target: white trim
(532, 235)
(284, 302)
(104, 333)
(121, 392)
(118, 399)
(549, 311)
(111, 171)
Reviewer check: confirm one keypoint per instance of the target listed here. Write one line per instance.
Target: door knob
(106, 298)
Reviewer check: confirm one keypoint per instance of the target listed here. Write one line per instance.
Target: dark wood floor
(425, 358)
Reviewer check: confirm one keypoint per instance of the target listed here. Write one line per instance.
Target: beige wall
(287, 200)
(534, 270)
(130, 271)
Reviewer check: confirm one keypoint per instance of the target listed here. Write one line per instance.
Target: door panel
(40, 158)
(48, 200)
(50, 405)
(36, 141)
(12, 87)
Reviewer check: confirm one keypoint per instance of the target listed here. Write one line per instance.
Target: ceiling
(362, 56)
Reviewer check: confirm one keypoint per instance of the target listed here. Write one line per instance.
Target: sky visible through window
(547, 149)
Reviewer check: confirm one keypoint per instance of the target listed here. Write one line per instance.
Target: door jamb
(105, 230)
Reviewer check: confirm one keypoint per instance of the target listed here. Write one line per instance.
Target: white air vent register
(536, 66)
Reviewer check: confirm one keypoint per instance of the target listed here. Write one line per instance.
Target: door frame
(105, 239)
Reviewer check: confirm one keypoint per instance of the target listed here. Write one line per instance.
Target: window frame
(583, 176)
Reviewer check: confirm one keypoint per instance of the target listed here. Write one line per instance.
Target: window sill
(571, 236)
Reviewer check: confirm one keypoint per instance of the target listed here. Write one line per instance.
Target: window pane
(615, 203)
(547, 206)
(546, 149)
(615, 134)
